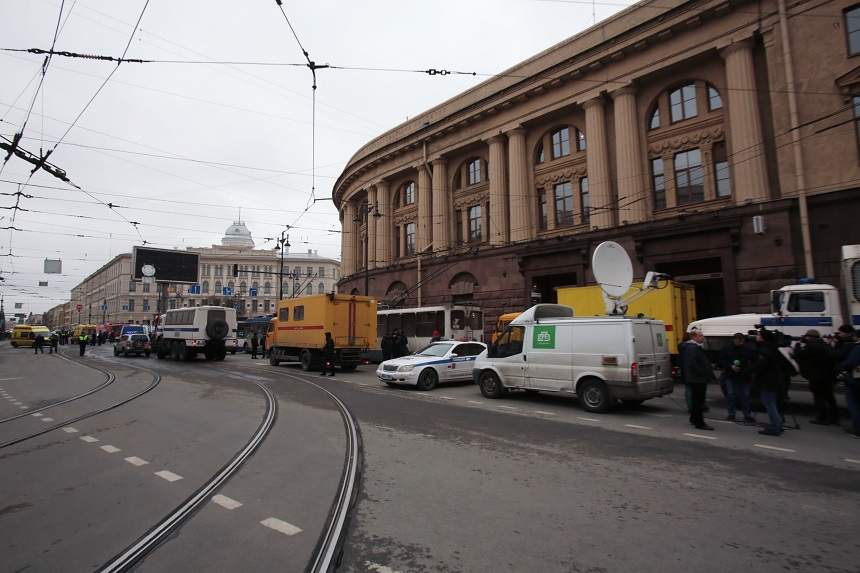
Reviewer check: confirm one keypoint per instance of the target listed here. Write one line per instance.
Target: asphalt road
(450, 481)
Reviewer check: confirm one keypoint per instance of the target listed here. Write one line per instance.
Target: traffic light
(235, 270)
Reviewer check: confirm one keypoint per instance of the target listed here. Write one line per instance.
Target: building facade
(110, 294)
(716, 141)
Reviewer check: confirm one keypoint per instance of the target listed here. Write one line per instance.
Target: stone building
(717, 141)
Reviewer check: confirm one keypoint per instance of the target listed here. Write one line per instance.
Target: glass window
(458, 320)
(542, 216)
(580, 140)
(299, 313)
(409, 193)
(321, 272)
(510, 343)
(205, 287)
(145, 287)
(714, 99)
(584, 199)
(310, 271)
(856, 101)
(852, 28)
(683, 102)
(474, 171)
(806, 302)
(563, 204)
(476, 320)
(321, 288)
(654, 121)
(243, 288)
(722, 177)
(539, 155)
(855, 278)
(410, 239)
(132, 286)
(560, 142)
(212, 315)
(475, 224)
(284, 314)
(309, 290)
(436, 349)
(131, 305)
(407, 324)
(689, 177)
(267, 288)
(425, 324)
(469, 349)
(218, 287)
(658, 183)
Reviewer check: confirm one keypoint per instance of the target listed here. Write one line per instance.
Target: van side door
(508, 358)
(549, 359)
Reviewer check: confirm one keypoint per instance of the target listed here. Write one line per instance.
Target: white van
(184, 332)
(600, 359)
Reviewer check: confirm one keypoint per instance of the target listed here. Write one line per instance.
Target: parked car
(129, 344)
(443, 361)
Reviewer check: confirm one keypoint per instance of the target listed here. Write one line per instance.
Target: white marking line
(587, 419)
(379, 568)
(88, 439)
(47, 419)
(136, 461)
(4, 379)
(721, 421)
(37, 414)
(852, 461)
(280, 525)
(446, 397)
(24, 407)
(637, 427)
(363, 384)
(658, 415)
(700, 436)
(18, 403)
(226, 502)
(169, 476)
(766, 447)
(544, 412)
(70, 430)
(111, 449)
(508, 407)
(474, 402)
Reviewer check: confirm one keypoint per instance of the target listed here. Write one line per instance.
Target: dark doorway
(706, 275)
(545, 286)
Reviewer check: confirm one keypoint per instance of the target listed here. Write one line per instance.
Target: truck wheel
(222, 354)
(594, 396)
(491, 386)
(189, 354)
(306, 359)
(428, 379)
(273, 360)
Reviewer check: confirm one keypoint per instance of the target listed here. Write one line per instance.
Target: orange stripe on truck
(308, 327)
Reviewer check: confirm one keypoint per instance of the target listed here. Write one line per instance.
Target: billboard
(165, 265)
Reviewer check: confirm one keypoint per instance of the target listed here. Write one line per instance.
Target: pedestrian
(402, 344)
(437, 336)
(817, 366)
(39, 344)
(100, 338)
(386, 344)
(82, 342)
(328, 355)
(768, 372)
(254, 344)
(262, 346)
(736, 360)
(850, 376)
(52, 343)
(92, 338)
(698, 373)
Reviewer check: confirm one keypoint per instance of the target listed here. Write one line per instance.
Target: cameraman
(816, 365)
(736, 361)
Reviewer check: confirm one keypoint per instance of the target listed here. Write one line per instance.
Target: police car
(443, 361)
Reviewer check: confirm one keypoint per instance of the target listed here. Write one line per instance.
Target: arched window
(395, 289)
(539, 154)
(256, 287)
(243, 288)
(474, 167)
(682, 102)
(560, 142)
(218, 290)
(714, 100)
(321, 288)
(310, 289)
(231, 285)
(654, 120)
(205, 287)
(409, 193)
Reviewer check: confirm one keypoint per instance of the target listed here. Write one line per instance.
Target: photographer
(816, 365)
(736, 361)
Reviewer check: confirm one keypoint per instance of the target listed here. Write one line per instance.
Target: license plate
(386, 376)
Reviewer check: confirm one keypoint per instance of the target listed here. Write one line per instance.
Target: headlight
(406, 368)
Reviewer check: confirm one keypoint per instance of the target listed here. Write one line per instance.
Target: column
(520, 200)
(597, 159)
(347, 239)
(628, 157)
(498, 197)
(549, 190)
(749, 177)
(441, 207)
(424, 224)
(371, 227)
(384, 231)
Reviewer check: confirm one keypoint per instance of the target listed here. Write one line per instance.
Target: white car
(443, 361)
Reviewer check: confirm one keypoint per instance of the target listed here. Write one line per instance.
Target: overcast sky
(256, 118)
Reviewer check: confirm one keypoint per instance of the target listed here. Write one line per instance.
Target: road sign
(104, 307)
(79, 307)
(194, 289)
(228, 291)
(252, 291)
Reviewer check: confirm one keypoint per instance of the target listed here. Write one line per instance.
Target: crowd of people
(764, 361)
(394, 345)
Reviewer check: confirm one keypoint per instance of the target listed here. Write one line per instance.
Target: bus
(248, 326)
(452, 321)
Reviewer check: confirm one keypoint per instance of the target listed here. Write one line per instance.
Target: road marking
(700, 436)
(88, 439)
(280, 525)
(658, 415)
(852, 461)
(637, 427)
(544, 412)
(587, 419)
(226, 502)
(721, 421)
(509, 407)
(169, 476)
(4, 379)
(24, 407)
(17, 403)
(46, 419)
(110, 449)
(446, 397)
(766, 447)
(363, 384)
(136, 461)
(474, 402)
(70, 430)
(379, 568)
(37, 414)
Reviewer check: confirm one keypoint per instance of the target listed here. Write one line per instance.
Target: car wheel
(594, 396)
(491, 386)
(428, 379)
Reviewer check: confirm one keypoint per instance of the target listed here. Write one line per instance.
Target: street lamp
(284, 241)
(364, 212)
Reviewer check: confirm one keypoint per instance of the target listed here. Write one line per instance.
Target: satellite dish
(612, 268)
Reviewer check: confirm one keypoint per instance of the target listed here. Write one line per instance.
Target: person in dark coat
(736, 361)
(39, 344)
(768, 372)
(697, 374)
(53, 340)
(255, 342)
(816, 365)
(386, 344)
(849, 374)
(328, 355)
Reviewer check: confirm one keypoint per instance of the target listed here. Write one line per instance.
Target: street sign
(53, 266)
(252, 291)
(228, 291)
(104, 307)
(43, 283)
(194, 289)
(79, 307)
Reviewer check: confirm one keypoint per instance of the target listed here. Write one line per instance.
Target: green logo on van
(544, 337)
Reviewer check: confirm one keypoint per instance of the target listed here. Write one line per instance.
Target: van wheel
(306, 359)
(594, 396)
(428, 379)
(273, 361)
(491, 386)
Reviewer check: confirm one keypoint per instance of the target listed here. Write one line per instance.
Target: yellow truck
(24, 335)
(674, 304)
(297, 332)
(89, 330)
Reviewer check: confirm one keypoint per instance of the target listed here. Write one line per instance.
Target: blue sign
(104, 307)
(194, 289)
(228, 291)
(252, 291)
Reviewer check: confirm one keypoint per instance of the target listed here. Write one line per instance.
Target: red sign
(80, 306)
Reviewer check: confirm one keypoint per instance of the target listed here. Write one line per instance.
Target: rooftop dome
(237, 235)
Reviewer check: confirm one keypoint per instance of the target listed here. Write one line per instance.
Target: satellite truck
(599, 359)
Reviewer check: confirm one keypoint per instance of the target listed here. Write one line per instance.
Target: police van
(185, 332)
(600, 359)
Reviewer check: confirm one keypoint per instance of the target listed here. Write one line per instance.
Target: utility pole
(284, 241)
(364, 212)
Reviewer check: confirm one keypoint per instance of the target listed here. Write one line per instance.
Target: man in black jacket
(736, 361)
(816, 365)
(697, 375)
(328, 355)
(769, 373)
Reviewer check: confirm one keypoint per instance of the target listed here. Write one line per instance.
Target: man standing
(401, 343)
(736, 360)
(38, 344)
(697, 374)
(816, 365)
(328, 355)
(52, 343)
(254, 344)
(769, 373)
